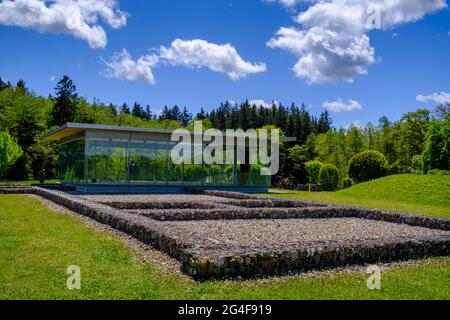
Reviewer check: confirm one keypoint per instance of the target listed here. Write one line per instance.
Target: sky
(359, 59)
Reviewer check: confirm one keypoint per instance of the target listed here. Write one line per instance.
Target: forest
(418, 142)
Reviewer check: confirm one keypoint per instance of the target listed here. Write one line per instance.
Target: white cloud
(191, 54)
(200, 53)
(79, 18)
(122, 66)
(287, 3)
(438, 98)
(262, 103)
(333, 43)
(340, 106)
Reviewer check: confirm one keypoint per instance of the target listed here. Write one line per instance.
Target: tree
(201, 115)
(325, 122)
(138, 111)
(10, 151)
(436, 154)
(185, 117)
(124, 109)
(355, 141)
(329, 178)
(66, 104)
(148, 113)
(413, 131)
(4, 85)
(297, 156)
(442, 110)
(313, 170)
(368, 165)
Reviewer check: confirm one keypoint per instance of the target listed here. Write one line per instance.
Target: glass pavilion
(117, 159)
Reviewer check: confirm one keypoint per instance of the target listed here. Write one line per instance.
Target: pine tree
(148, 113)
(325, 122)
(138, 111)
(185, 117)
(4, 85)
(124, 109)
(66, 104)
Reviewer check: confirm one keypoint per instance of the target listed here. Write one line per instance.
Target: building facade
(109, 159)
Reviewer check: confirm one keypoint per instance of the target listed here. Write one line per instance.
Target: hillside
(407, 193)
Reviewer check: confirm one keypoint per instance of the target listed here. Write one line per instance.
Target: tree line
(418, 142)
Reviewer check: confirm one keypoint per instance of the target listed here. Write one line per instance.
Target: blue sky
(410, 54)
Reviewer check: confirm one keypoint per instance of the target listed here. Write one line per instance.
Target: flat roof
(71, 129)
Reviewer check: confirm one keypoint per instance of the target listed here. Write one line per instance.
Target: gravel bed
(153, 198)
(232, 237)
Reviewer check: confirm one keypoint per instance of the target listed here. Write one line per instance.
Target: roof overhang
(72, 129)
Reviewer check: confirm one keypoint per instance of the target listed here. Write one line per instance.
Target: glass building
(97, 158)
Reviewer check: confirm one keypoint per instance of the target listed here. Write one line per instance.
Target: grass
(423, 194)
(37, 245)
(29, 182)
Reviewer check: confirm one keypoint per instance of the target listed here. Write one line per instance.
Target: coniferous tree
(325, 122)
(124, 109)
(185, 117)
(148, 113)
(201, 115)
(4, 85)
(66, 104)
(138, 111)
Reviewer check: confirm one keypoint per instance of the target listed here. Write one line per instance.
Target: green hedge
(368, 165)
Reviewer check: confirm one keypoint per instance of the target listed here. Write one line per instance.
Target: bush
(347, 183)
(436, 172)
(313, 170)
(329, 178)
(368, 165)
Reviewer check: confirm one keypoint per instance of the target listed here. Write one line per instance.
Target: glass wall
(71, 161)
(102, 157)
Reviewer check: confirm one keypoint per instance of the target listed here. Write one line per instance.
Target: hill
(413, 193)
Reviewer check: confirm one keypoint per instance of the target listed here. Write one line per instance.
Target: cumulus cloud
(340, 106)
(79, 18)
(122, 66)
(438, 98)
(191, 54)
(219, 58)
(333, 44)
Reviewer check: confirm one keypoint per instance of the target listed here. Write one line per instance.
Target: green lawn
(28, 182)
(37, 245)
(412, 193)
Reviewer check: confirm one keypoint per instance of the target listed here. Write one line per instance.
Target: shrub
(329, 178)
(313, 171)
(368, 165)
(347, 183)
(436, 172)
